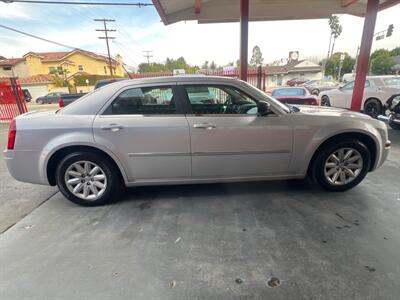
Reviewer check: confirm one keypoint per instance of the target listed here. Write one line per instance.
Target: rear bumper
(24, 166)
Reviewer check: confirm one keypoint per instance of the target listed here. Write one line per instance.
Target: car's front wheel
(373, 108)
(87, 179)
(341, 165)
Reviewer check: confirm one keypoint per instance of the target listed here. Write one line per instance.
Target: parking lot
(258, 240)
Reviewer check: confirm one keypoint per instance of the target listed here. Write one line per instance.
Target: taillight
(12, 134)
(60, 103)
(311, 101)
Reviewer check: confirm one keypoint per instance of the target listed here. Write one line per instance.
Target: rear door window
(144, 101)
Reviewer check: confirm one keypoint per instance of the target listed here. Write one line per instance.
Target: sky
(140, 29)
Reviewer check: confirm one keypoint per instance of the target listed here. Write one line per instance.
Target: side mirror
(263, 108)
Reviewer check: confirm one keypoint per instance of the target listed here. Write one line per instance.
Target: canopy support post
(244, 37)
(363, 57)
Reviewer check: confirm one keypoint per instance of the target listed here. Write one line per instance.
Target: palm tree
(336, 30)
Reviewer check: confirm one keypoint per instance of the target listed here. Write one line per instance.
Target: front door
(229, 139)
(146, 128)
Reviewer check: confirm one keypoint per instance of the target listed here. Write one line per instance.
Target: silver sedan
(176, 130)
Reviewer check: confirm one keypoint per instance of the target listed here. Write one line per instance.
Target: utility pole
(147, 55)
(106, 37)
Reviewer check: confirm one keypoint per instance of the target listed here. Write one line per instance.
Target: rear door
(229, 139)
(147, 129)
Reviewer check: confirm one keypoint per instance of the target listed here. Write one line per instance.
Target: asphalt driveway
(263, 240)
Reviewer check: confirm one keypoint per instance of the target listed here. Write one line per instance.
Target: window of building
(80, 67)
(7, 68)
(52, 70)
(105, 70)
(144, 101)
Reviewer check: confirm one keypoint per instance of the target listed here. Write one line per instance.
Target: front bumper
(24, 166)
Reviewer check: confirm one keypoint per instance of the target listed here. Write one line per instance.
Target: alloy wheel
(86, 180)
(343, 166)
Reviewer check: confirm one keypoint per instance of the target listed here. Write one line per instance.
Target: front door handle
(206, 126)
(112, 127)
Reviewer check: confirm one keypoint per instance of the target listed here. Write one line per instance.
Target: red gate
(12, 100)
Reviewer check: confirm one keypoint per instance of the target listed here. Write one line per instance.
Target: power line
(138, 4)
(106, 37)
(38, 37)
(147, 55)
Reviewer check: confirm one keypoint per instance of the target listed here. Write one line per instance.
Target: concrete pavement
(17, 199)
(219, 241)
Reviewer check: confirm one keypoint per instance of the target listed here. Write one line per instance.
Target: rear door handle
(112, 127)
(206, 126)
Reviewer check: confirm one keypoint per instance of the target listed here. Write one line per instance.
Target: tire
(39, 101)
(373, 108)
(111, 182)
(394, 126)
(315, 92)
(320, 170)
(325, 101)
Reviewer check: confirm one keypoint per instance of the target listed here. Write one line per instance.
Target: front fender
(310, 139)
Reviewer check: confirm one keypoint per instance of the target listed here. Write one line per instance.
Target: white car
(377, 90)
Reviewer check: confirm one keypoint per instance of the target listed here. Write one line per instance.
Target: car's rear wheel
(315, 92)
(325, 101)
(87, 179)
(39, 101)
(341, 165)
(373, 108)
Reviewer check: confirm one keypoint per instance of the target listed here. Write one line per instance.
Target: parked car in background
(296, 81)
(348, 77)
(391, 112)
(103, 82)
(49, 98)
(377, 90)
(294, 95)
(66, 99)
(317, 86)
(115, 136)
(27, 95)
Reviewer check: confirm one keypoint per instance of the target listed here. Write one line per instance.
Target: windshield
(288, 92)
(391, 81)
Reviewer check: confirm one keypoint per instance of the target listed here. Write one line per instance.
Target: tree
(336, 30)
(213, 66)
(395, 51)
(256, 58)
(382, 64)
(205, 65)
(332, 64)
(379, 52)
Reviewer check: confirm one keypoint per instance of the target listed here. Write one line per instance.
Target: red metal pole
(363, 57)
(244, 37)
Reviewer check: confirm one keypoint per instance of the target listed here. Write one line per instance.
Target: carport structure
(219, 11)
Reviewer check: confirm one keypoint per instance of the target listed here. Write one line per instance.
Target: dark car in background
(103, 82)
(27, 95)
(49, 98)
(296, 81)
(317, 86)
(294, 95)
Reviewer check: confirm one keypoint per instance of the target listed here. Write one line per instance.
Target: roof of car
(166, 79)
(289, 87)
